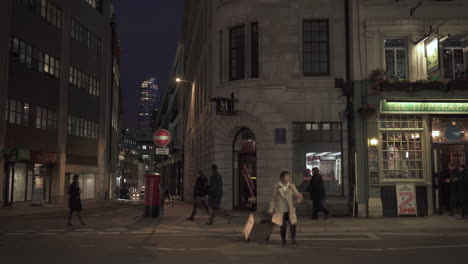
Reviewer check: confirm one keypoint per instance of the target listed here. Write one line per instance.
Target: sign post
(406, 199)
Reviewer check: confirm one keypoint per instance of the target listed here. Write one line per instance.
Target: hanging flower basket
(367, 110)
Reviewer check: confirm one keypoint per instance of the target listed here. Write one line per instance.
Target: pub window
(254, 50)
(49, 65)
(236, 53)
(316, 48)
(21, 52)
(401, 147)
(396, 58)
(453, 61)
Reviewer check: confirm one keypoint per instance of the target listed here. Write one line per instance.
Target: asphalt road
(122, 236)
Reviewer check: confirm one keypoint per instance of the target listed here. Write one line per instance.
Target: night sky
(149, 31)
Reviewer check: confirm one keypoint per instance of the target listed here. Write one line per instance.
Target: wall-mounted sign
(280, 135)
(225, 106)
(406, 199)
(44, 157)
(432, 55)
(426, 107)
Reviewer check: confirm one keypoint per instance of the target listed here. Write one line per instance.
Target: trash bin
(152, 195)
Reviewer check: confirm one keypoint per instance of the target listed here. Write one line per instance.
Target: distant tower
(149, 103)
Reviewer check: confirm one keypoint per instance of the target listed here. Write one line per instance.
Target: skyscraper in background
(149, 103)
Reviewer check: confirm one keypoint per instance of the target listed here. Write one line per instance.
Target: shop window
(453, 58)
(401, 147)
(318, 145)
(316, 48)
(396, 58)
(17, 112)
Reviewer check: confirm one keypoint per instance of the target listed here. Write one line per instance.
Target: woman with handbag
(282, 205)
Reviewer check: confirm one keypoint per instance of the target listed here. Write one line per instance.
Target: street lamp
(179, 80)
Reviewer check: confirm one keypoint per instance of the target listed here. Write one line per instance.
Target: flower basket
(458, 85)
(367, 111)
(429, 85)
(396, 86)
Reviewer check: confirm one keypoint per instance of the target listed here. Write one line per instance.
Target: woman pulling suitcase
(282, 205)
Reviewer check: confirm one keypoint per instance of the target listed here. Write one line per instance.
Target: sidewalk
(24, 209)
(175, 216)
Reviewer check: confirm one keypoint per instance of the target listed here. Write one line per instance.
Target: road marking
(116, 229)
(25, 230)
(46, 233)
(14, 234)
(84, 230)
(428, 247)
(55, 230)
(140, 232)
(108, 233)
(424, 234)
(78, 233)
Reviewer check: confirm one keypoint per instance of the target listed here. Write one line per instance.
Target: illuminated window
(51, 13)
(17, 112)
(396, 58)
(21, 52)
(49, 65)
(453, 58)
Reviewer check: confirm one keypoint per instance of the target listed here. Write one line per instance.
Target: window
(453, 62)
(83, 81)
(254, 50)
(85, 37)
(51, 13)
(46, 118)
(17, 113)
(21, 52)
(315, 48)
(396, 58)
(96, 4)
(318, 145)
(221, 55)
(143, 147)
(81, 127)
(49, 65)
(401, 147)
(236, 53)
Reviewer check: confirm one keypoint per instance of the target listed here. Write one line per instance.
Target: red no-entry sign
(161, 137)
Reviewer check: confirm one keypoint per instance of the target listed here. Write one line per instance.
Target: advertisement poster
(432, 55)
(406, 199)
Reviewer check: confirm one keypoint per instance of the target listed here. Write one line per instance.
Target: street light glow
(178, 80)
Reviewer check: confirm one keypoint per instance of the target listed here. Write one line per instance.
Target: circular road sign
(161, 137)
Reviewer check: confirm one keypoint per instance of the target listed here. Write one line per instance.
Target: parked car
(124, 194)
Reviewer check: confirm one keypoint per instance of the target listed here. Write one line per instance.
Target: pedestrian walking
(116, 192)
(200, 194)
(453, 180)
(215, 195)
(317, 194)
(74, 201)
(282, 204)
(463, 176)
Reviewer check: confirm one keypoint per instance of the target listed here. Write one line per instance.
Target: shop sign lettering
(424, 107)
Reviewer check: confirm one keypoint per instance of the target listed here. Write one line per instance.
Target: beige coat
(277, 204)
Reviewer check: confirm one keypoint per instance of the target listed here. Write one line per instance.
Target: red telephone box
(152, 194)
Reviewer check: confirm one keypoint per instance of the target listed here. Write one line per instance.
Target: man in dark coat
(200, 193)
(74, 202)
(215, 195)
(454, 188)
(317, 194)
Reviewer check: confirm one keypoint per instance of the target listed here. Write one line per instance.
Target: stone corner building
(279, 60)
(59, 98)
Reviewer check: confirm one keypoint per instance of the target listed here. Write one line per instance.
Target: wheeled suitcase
(258, 232)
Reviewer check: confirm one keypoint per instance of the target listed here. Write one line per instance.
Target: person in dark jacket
(463, 175)
(317, 194)
(215, 195)
(200, 193)
(454, 188)
(74, 201)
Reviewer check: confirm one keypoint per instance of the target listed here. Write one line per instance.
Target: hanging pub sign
(432, 55)
(225, 106)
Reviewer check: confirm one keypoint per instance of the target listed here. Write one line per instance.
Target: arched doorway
(244, 170)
